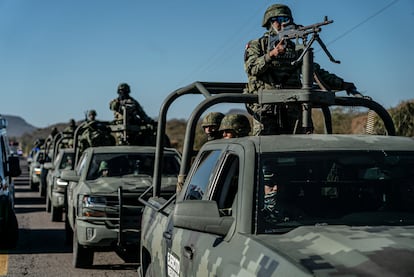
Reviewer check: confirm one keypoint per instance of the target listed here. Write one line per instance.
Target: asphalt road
(41, 249)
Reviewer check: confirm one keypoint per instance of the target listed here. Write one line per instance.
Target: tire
(56, 214)
(13, 230)
(82, 257)
(33, 186)
(149, 272)
(48, 205)
(68, 232)
(42, 190)
(10, 232)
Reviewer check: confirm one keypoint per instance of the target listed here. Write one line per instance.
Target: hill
(18, 126)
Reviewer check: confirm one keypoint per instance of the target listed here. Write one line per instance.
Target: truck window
(226, 187)
(350, 188)
(202, 176)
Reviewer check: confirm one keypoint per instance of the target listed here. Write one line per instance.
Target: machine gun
(294, 31)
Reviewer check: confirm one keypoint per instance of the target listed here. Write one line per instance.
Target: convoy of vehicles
(340, 205)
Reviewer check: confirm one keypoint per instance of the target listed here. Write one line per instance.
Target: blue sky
(61, 58)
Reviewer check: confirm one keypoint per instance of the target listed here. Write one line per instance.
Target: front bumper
(104, 233)
(58, 199)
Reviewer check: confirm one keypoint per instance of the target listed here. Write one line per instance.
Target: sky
(59, 59)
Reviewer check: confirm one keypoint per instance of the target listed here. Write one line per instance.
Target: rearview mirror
(69, 175)
(14, 166)
(202, 216)
(48, 166)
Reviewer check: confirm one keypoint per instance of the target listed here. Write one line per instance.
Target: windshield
(351, 188)
(131, 164)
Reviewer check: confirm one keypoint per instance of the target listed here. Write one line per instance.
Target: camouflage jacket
(134, 110)
(265, 72)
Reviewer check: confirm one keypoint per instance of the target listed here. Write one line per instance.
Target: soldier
(235, 126)
(103, 170)
(71, 128)
(211, 124)
(69, 131)
(273, 70)
(95, 133)
(270, 212)
(91, 116)
(135, 113)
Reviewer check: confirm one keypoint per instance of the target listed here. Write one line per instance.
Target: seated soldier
(235, 126)
(103, 170)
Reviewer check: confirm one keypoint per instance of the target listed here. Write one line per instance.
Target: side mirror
(14, 166)
(48, 166)
(202, 216)
(69, 175)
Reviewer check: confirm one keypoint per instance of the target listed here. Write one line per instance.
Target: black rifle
(294, 31)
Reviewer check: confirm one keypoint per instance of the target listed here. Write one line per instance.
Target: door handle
(188, 252)
(167, 235)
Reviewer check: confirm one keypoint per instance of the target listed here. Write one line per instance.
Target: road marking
(4, 263)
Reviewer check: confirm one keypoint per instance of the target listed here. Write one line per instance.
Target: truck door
(195, 252)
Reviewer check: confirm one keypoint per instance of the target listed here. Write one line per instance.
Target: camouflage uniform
(213, 120)
(69, 131)
(135, 113)
(265, 72)
(239, 124)
(95, 133)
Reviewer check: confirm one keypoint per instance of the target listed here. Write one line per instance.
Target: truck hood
(347, 251)
(133, 183)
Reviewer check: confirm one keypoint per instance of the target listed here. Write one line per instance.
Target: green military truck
(102, 208)
(341, 205)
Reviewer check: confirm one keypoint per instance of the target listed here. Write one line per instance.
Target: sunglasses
(280, 19)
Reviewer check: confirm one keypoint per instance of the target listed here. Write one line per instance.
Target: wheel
(56, 214)
(10, 232)
(68, 232)
(33, 186)
(149, 272)
(82, 257)
(48, 205)
(42, 190)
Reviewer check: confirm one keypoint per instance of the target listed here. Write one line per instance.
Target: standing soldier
(271, 68)
(211, 124)
(95, 133)
(135, 113)
(235, 126)
(69, 132)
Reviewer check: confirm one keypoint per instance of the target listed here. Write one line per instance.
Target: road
(41, 249)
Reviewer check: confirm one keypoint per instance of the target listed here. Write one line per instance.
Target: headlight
(60, 185)
(93, 206)
(93, 201)
(61, 182)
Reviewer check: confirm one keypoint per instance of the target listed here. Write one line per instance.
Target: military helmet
(92, 112)
(103, 166)
(269, 174)
(275, 10)
(238, 123)
(212, 119)
(124, 87)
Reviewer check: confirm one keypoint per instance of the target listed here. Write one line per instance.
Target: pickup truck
(103, 211)
(9, 168)
(341, 205)
(55, 186)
